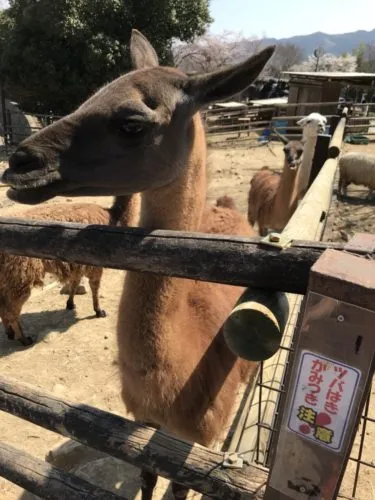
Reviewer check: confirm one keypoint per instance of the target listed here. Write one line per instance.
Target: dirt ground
(74, 356)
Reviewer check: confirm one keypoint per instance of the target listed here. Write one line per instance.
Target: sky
(285, 18)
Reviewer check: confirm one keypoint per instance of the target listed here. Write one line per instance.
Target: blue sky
(285, 18)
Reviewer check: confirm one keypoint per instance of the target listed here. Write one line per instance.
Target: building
(325, 87)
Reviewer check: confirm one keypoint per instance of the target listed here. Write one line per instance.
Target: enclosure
(71, 347)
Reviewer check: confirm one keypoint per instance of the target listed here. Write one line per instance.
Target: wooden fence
(233, 124)
(335, 329)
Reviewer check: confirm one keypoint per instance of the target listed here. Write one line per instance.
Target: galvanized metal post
(329, 380)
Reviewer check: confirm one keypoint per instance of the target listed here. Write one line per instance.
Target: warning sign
(322, 399)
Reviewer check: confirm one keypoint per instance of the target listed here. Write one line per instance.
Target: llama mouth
(31, 195)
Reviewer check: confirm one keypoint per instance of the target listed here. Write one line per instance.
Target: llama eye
(132, 127)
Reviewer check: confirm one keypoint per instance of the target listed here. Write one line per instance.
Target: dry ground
(75, 354)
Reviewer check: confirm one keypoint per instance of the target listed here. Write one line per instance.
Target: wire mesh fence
(360, 471)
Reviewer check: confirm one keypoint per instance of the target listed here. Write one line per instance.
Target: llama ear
(219, 85)
(302, 122)
(142, 53)
(282, 138)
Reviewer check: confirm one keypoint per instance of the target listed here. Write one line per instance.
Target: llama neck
(179, 205)
(125, 210)
(286, 196)
(150, 302)
(305, 169)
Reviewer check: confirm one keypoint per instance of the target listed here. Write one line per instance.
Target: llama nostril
(22, 158)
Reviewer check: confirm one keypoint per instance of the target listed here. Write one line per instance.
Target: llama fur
(357, 168)
(20, 274)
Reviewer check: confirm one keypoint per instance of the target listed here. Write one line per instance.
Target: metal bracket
(232, 460)
(277, 240)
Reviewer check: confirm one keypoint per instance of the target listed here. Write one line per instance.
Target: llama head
(313, 124)
(133, 135)
(293, 152)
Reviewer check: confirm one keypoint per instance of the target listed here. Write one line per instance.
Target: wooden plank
(313, 208)
(338, 136)
(207, 257)
(193, 465)
(46, 481)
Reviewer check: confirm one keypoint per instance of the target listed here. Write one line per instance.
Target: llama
(21, 274)
(273, 197)
(357, 168)
(313, 125)
(144, 134)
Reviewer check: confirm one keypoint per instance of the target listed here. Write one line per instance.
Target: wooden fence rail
(46, 481)
(195, 466)
(206, 257)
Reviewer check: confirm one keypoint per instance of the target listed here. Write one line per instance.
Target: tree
(359, 53)
(329, 62)
(211, 52)
(287, 55)
(365, 54)
(57, 52)
(318, 55)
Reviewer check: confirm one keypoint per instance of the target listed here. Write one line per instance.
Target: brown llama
(143, 132)
(19, 274)
(273, 197)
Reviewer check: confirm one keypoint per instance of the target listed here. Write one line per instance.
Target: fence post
(334, 122)
(329, 380)
(4, 117)
(320, 156)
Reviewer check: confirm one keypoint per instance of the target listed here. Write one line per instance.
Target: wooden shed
(321, 87)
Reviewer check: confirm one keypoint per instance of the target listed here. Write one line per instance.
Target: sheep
(356, 168)
(273, 197)
(21, 274)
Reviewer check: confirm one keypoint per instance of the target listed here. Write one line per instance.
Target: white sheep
(357, 168)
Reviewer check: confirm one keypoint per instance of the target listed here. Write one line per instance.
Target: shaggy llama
(20, 274)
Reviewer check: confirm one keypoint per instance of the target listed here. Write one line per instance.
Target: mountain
(336, 44)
